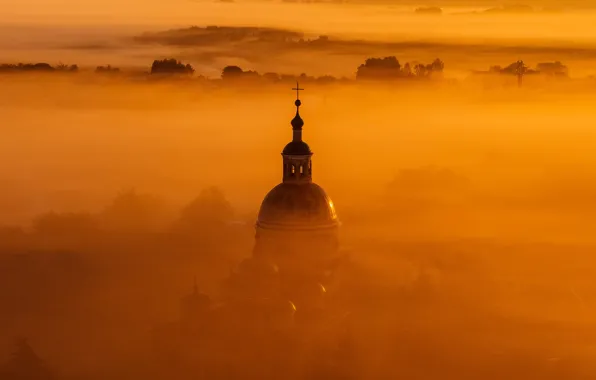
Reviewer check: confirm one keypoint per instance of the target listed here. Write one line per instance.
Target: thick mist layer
(172, 141)
(466, 201)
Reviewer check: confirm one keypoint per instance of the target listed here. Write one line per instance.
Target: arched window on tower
(293, 170)
(301, 169)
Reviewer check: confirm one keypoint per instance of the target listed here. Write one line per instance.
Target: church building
(281, 296)
(296, 241)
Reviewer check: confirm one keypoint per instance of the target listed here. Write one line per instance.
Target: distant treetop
(390, 68)
(107, 69)
(171, 66)
(39, 67)
(556, 69)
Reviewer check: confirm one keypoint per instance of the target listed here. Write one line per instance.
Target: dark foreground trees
(171, 66)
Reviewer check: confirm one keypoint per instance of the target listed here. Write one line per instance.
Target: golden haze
(482, 193)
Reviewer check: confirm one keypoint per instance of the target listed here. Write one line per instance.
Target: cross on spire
(297, 89)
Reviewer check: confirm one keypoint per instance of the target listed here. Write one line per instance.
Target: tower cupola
(297, 163)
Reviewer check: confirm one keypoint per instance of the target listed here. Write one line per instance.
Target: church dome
(297, 148)
(297, 206)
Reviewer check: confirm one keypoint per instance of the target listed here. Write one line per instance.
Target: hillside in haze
(466, 38)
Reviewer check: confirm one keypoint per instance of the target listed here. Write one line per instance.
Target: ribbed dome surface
(297, 206)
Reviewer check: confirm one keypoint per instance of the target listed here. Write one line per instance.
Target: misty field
(466, 197)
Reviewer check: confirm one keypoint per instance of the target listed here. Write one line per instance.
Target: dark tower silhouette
(296, 240)
(297, 164)
(297, 226)
(276, 303)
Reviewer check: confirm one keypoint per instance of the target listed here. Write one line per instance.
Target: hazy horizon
(92, 35)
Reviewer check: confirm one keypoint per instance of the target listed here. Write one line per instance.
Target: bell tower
(297, 162)
(297, 226)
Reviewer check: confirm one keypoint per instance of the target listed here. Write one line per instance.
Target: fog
(173, 139)
(466, 201)
(468, 37)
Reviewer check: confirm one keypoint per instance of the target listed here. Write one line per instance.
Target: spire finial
(297, 89)
(297, 122)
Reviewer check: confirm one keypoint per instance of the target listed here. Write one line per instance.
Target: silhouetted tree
(107, 69)
(407, 70)
(390, 68)
(553, 69)
(437, 66)
(171, 66)
(420, 70)
(64, 67)
(516, 68)
(37, 66)
(133, 211)
(434, 69)
(210, 208)
(25, 364)
(27, 67)
(519, 69)
(251, 74)
(379, 68)
(230, 73)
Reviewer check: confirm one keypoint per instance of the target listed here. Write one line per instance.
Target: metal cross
(298, 89)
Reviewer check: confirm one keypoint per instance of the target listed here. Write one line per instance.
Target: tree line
(39, 67)
(556, 69)
(385, 68)
(129, 212)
